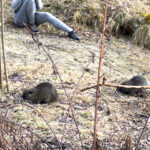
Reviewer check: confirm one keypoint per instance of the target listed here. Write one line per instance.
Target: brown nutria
(43, 93)
(135, 81)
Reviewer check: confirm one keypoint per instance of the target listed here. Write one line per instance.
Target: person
(25, 11)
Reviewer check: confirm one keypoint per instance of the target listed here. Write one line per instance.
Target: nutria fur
(135, 81)
(42, 93)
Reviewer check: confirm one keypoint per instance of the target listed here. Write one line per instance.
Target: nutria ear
(30, 92)
(25, 94)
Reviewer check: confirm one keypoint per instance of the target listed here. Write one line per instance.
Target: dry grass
(80, 13)
(115, 112)
(124, 17)
(120, 118)
(142, 36)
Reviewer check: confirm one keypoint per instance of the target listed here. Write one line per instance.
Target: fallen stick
(115, 85)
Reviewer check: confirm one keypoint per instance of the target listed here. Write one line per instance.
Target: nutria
(43, 93)
(135, 81)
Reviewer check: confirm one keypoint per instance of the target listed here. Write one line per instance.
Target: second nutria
(135, 81)
(43, 93)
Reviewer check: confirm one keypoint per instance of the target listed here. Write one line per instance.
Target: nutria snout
(135, 81)
(43, 93)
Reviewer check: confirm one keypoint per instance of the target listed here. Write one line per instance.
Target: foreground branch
(98, 78)
(142, 133)
(115, 85)
(27, 129)
(3, 50)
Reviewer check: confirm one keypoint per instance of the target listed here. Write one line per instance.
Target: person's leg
(30, 11)
(21, 15)
(42, 17)
(26, 14)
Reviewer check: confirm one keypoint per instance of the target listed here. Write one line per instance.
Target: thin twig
(39, 44)
(74, 92)
(69, 100)
(98, 80)
(13, 123)
(1, 51)
(114, 85)
(3, 47)
(45, 122)
(136, 146)
(10, 134)
(42, 118)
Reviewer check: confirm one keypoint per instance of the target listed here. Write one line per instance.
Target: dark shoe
(73, 36)
(34, 28)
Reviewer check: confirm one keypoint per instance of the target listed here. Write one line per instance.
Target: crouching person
(25, 11)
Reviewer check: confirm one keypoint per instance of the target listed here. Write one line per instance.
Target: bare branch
(115, 85)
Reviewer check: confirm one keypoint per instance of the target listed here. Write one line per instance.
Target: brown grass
(142, 36)
(122, 60)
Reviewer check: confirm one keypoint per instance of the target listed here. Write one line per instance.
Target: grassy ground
(119, 115)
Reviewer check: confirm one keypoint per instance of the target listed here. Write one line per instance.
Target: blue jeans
(27, 14)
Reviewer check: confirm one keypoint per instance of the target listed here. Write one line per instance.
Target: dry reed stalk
(3, 50)
(98, 80)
